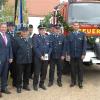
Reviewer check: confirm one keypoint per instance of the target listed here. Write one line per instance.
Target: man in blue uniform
(57, 55)
(6, 57)
(42, 51)
(23, 59)
(30, 30)
(76, 50)
(12, 68)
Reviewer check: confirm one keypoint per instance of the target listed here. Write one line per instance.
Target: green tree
(7, 14)
(2, 2)
(60, 19)
(46, 20)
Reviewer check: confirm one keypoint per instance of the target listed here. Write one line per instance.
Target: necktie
(75, 32)
(25, 39)
(5, 39)
(12, 33)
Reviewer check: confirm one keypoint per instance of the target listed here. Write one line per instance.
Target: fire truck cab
(88, 15)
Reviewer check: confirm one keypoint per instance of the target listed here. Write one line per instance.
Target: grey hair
(3, 23)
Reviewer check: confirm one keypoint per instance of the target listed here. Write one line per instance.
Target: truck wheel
(87, 63)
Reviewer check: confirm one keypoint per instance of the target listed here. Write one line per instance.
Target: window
(84, 13)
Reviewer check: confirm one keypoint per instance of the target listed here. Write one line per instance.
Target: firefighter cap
(24, 29)
(57, 26)
(41, 26)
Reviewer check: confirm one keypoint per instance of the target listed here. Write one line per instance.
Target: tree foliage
(60, 19)
(7, 14)
(2, 2)
(46, 20)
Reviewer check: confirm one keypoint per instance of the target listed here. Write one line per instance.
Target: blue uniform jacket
(42, 45)
(76, 44)
(23, 50)
(12, 36)
(58, 46)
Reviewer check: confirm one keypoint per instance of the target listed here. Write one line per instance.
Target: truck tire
(87, 63)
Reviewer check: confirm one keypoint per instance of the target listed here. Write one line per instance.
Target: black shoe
(50, 84)
(6, 91)
(59, 83)
(18, 90)
(42, 86)
(80, 85)
(72, 84)
(35, 87)
(26, 88)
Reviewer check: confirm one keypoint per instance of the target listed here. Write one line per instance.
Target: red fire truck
(88, 15)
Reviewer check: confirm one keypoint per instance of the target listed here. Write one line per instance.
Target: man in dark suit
(76, 50)
(5, 57)
(23, 59)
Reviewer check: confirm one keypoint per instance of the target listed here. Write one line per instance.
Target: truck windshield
(84, 13)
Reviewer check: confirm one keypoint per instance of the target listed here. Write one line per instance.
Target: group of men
(19, 53)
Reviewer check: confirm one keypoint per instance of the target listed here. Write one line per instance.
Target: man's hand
(42, 58)
(68, 58)
(82, 57)
(10, 60)
(62, 57)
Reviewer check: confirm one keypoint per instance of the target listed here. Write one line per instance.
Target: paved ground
(91, 90)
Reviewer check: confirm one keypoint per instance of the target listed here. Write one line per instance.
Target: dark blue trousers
(3, 74)
(76, 70)
(40, 70)
(58, 63)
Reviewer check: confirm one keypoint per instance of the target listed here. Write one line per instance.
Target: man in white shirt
(5, 57)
